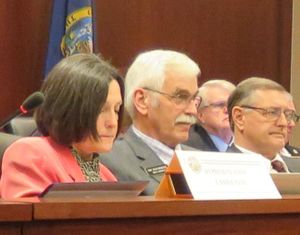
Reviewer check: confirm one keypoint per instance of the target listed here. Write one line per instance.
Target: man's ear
(141, 101)
(238, 118)
(200, 116)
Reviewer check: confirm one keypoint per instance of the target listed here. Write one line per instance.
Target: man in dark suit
(292, 150)
(259, 114)
(290, 154)
(212, 131)
(161, 97)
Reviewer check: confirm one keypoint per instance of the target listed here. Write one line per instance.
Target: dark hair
(75, 91)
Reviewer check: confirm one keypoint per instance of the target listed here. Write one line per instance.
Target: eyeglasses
(274, 113)
(180, 99)
(219, 105)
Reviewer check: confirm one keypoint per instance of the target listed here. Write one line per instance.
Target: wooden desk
(147, 215)
(12, 216)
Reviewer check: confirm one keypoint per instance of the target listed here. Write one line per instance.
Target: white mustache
(183, 118)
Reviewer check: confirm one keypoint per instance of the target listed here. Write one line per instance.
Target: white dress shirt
(277, 157)
(164, 152)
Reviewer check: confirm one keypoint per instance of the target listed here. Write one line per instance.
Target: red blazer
(31, 164)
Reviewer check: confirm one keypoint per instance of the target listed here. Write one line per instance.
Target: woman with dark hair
(79, 119)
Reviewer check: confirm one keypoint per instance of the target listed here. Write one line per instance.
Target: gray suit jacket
(131, 159)
(293, 162)
(294, 151)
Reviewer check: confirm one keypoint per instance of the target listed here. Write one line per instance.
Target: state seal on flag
(78, 36)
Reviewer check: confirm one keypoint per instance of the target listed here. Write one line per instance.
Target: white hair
(218, 83)
(149, 70)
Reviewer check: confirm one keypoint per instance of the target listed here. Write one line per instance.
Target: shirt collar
(277, 157)
(164, 152)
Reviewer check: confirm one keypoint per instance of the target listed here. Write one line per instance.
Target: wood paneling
(295, 67)
(11, 216)
(23, 41)
(231, 39)
(150, 216)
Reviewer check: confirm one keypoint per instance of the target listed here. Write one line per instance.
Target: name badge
(156, 170)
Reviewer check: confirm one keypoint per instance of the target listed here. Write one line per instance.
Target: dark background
(230, 39)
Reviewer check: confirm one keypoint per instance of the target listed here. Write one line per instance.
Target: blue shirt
(220, 144)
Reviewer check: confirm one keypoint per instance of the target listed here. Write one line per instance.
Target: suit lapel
(68, 162)
(292, 150)
(205, 138)
(233, 149)
(149, 161)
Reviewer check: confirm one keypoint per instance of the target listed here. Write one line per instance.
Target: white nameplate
(217, 176)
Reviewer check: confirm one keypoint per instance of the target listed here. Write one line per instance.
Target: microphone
(30, 103)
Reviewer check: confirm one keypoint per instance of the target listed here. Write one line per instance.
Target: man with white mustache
(161, 97)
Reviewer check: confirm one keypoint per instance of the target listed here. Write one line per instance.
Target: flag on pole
(71, 30)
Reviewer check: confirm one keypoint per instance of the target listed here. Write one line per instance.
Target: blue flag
(71, 30)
